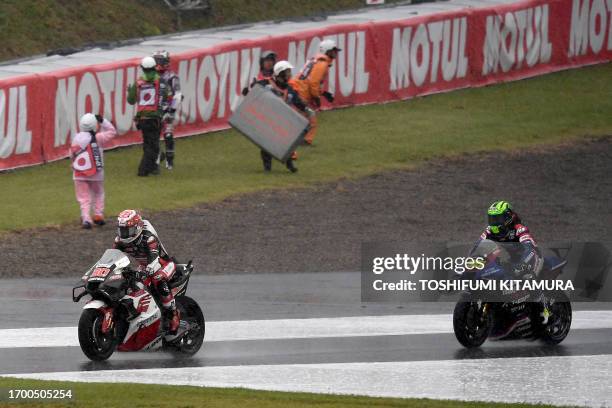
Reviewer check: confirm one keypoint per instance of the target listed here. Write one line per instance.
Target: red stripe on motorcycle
(141, 338)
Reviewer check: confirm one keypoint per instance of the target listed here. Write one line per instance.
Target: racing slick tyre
(95, 345)
(470, 326)
(190, 342)
(558, 327)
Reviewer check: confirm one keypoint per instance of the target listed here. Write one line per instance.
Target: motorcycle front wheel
(96, 345)
(471, 327)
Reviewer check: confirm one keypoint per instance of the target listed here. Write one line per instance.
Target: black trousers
(150, 128)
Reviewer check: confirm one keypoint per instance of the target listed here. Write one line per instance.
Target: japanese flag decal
(83, 161)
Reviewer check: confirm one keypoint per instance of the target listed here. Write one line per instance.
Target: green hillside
(32, 27)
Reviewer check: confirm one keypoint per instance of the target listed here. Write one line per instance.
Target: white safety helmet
(328, 45)
(148, 63)
(88, 122)
(281, 66)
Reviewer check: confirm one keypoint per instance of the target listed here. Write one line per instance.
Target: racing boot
(545, 313)
(174, 321)
(540, 311)
(169, 161)
(169, 156)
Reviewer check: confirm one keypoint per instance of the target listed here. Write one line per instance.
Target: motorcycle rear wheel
(470, 327)
(95, 345)
(559, 326)
(191, 342)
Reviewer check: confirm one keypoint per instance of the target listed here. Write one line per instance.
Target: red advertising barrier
(380, 61)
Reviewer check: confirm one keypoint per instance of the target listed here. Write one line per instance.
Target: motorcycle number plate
(100, 272)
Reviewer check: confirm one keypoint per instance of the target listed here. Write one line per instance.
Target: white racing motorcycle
(123, 313)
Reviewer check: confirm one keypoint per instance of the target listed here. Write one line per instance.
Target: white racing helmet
(281, 66)
(148, 63)
(328, 45)
(129, 226)
(162, 58)
(88, 123)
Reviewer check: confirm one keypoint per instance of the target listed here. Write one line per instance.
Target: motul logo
(516, 38)
(15, 138)
(428, 52)
(210, 82)
(591, 25)
(106, 90)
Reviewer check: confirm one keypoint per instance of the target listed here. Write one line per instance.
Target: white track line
(293, 328)
(575, 380)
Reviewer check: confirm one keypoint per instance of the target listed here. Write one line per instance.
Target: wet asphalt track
(47, 303)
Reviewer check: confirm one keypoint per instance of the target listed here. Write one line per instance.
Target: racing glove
(329, 96)
(150, 271)
(139, 274)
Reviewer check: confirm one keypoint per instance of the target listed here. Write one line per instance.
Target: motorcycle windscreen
(266, 120)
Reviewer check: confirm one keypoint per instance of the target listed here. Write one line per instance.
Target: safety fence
(380, 62)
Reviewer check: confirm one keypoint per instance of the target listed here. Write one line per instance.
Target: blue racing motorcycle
(515, 314)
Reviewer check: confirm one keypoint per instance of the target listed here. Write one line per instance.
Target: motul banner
(380, 61)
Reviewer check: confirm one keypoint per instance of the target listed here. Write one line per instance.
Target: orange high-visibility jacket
(309, 81)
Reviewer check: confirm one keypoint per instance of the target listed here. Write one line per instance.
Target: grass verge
(351, 143)
(35, 26)
(105, 395)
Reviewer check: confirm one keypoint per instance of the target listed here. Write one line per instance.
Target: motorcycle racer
(138, 238)
(170, 103)
(505, 225)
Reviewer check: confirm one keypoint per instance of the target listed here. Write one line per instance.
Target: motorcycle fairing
(144, 330)
(95, 304)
